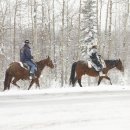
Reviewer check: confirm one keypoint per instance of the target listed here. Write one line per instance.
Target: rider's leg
(32, 67)
(95, 67)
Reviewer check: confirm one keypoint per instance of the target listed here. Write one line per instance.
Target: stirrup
(32, 76)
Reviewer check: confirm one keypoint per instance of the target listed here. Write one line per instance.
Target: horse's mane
(111, 62)
(41, 64)
(38, 62)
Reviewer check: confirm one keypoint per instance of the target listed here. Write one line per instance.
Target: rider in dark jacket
(26, 57)
(95, 59)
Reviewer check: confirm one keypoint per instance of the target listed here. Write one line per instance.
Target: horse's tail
(72, 76)
(6, 81)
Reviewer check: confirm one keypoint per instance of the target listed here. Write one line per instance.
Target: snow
(74, 108)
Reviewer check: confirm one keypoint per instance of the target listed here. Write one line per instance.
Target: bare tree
(100, 23)
(35, 26)
(62, 46)
(14, 37)
(125, 33)
(54, 40)
(3, 12)
(110, 24)
(106, 25)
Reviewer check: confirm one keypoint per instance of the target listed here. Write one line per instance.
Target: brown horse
(81, 68)
(15, 72)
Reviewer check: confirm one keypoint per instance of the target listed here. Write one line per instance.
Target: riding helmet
(27, 41)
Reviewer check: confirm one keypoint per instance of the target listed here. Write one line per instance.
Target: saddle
(24, 65)
(96, 65)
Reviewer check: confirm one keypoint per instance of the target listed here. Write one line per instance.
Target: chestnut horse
(15, 72)
(82, 68)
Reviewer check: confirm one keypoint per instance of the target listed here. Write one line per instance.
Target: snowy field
(88, 108)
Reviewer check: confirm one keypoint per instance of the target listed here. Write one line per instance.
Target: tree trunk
(49, 30)
(35, 29)
(62, 45)
(110, 23)
(14, 36)
(43, 40)
(54, 41)
(79, 29)
(125, 33)
(105, 42)
(100, 27)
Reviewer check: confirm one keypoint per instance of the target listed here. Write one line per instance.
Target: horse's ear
(48, 57)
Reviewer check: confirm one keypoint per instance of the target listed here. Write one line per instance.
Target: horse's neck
(41, 65)
(111, 64)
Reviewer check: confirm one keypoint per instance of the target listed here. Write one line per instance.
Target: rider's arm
(27, 52)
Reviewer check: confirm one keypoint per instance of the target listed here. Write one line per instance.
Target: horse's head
(119, 65)
(48, 62)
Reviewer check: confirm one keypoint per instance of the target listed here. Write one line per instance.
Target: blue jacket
(25, 53)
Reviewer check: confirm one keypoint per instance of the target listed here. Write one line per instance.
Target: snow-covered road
(72, 110)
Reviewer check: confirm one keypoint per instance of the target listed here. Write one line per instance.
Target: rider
(95, 59)
(26, 57)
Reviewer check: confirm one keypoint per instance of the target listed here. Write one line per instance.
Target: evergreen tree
(88, 24)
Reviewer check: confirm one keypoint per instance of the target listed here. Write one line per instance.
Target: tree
(62, 46)
(79, 30)
(110, 31)
(89, 24)
(14, 37)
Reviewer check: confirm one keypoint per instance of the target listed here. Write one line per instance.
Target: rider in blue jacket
(26, 57)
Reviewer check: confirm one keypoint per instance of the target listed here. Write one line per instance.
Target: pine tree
(88, 24)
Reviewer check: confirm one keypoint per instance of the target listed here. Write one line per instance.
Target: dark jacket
(25, 53)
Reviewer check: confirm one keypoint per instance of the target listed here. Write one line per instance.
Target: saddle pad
(23, 66)
(103, 63)
(89, 64)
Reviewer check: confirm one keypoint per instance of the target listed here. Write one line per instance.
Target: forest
(62, 29)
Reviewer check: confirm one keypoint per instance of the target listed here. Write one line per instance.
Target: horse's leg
(37, 83)
(32, 82)
(9, 81)
(14, 82)
(75, 80)
(100, 79)
(108, 79)
(79, 81)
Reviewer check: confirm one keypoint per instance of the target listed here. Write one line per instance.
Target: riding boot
(32, 76)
